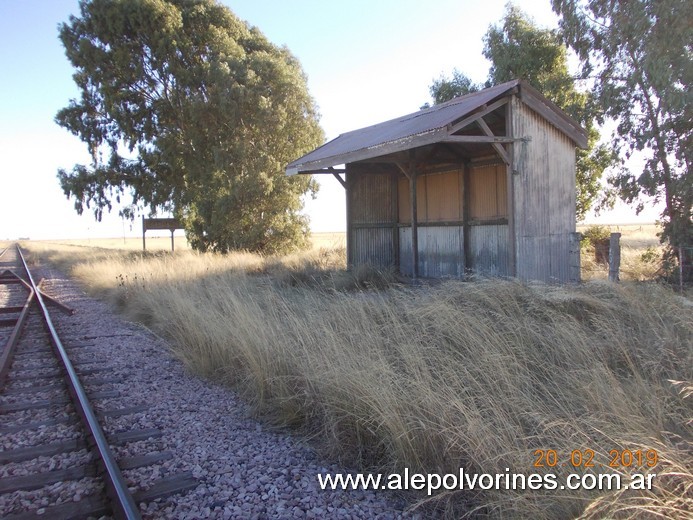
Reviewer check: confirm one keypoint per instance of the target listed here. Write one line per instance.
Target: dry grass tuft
(472, 375)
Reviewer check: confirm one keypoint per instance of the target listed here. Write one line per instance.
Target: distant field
(328, 240)
(634, 235)
(640, 236)
(319, 240)
(641, 253)
(129, 244)
(640, 249)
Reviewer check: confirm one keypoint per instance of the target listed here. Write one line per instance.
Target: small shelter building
(483, 184)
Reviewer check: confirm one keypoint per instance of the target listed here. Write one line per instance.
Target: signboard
(159, 223)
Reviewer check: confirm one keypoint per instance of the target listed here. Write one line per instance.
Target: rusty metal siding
(544, 197)
(441, 251)
(489, 249)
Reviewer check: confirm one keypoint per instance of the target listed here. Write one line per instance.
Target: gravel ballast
(244, 469)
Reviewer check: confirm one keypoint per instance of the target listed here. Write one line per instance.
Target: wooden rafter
(497, 146)
(330, 170)
(485, 110)
(341, 181)
(403, 169)
(478, 139)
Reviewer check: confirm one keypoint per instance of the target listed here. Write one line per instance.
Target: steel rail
(8, 350)
(124, 506)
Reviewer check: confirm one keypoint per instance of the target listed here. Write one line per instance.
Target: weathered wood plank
(477, 139)
(496, 146)
(37, 424)
(42, 450)
(144, 460)
(119, 412)
(167, 486)
(87, 507)
(33, 405)
(38, 480)
(33, 389)
(134, 435)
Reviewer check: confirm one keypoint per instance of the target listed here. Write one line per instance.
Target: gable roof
(428, 126)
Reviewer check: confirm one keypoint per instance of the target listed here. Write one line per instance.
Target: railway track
(57, 460)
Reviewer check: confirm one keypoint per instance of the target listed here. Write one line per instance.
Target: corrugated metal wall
(372, 207)
(544, 197)
(373, 246)
(488, 212)
(488, 248)
(380, 232)
(441, 251)
(439, 200)
(371, 194)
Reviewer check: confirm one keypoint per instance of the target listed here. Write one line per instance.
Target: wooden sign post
(159, 223)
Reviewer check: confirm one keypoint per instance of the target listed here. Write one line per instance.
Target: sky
(367, 61)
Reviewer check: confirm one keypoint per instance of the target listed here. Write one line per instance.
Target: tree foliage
(638, 55)
(186, 108)
(444, 89)
(518, 49)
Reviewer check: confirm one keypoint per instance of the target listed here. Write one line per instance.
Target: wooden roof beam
(485, 109)
(497, 146)
(341, 181)
(332, 171)
(478, 139)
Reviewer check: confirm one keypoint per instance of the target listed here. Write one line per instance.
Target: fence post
(681, 270)
(614, 256)
(574, 257)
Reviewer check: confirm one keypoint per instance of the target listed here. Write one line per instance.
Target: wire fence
(685, 255)
(638, 264)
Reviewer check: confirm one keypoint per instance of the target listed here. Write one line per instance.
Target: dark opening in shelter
(482, 184)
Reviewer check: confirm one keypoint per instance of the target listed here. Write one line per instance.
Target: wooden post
(681, 270)
(348, 190)
(394, 208)
(510, 183)
(172, 241)
(466, 234)
(144, 241)
(574, 274)
(414, 224)
(614, 256)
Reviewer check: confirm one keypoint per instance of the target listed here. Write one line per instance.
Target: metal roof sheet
(366, 142)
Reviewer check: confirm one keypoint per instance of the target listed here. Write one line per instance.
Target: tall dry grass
(473, 375)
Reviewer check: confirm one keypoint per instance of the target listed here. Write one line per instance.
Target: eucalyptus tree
(186, 108)
(638, 55)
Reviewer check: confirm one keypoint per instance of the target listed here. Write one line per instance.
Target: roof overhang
(437, 124)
